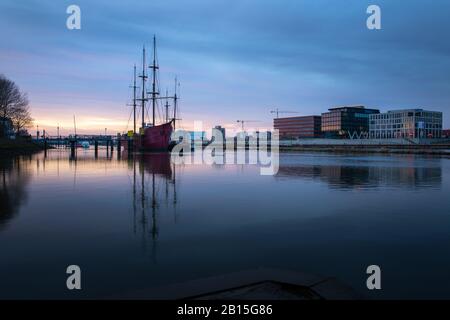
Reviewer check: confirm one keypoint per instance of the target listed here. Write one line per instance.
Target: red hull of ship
(156, 138)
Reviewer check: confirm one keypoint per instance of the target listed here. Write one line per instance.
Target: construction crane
(242, 122)
(277, 112)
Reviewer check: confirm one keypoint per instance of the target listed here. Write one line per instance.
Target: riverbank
(395, 149)
(19, 147)
(384, 146)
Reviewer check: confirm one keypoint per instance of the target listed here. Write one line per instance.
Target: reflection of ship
(158, 163)
(146, 192)
(153, 136)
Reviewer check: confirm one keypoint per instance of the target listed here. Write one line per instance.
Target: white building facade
(410, 123)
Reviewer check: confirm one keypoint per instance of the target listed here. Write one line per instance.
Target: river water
(132, 224)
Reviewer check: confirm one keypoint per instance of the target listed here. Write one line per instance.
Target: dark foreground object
(19, 146)
(258, 284)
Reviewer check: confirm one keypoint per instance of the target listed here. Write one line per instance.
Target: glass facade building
(298, 127)
(345, 121)
(410, 123)
(222, 130)
(446, 133)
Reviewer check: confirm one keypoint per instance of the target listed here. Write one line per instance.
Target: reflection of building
(6, 128)
(412, 123)
(365, 177)
(346, 120)
(298, 127)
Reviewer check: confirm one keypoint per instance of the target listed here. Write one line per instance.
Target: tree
(14, 104)
(22, 119)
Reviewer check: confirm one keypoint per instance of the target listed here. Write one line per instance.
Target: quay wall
(365, 142)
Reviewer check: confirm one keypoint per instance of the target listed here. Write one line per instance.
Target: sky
(235, 59)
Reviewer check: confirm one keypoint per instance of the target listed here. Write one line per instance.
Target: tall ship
(153, 136)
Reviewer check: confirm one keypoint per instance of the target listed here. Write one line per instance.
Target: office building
(221, 129)
(298, 127)
(197, 135)
(446, 133)
(343, 122)
(410, 123)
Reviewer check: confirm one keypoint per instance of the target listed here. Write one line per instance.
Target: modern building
(446, 133)
(345, 121)
(197, 135)
(221, 129)
(262, 136)
(298, 127)
(410, 123)
(6, 128)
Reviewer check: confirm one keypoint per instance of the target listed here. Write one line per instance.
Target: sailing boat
(153, 137)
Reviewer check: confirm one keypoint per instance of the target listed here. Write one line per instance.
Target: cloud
(235, 59)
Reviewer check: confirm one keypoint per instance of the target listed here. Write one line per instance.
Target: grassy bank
(19, 146)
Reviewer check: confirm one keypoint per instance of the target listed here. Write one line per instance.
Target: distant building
(221, 129)
(197, 135)
(342, 122)
(266, 135)
(298, 127)
(262, 136)
(410, 123)
(6, 128)
(446, 133)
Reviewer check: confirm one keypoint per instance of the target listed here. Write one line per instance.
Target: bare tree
(22, 119)
(14, 104)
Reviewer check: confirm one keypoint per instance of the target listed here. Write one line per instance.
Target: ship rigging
(153, 136)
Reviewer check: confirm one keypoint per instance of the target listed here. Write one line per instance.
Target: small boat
(83, 144)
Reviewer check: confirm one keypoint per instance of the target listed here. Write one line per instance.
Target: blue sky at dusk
(235, 59)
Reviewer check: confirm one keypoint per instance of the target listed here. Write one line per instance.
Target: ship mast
(144, 77)
(154, 67)
(175, 98)
(134, 101)
(74, 126)
(167, 107)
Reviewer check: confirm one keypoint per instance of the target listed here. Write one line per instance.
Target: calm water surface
(135, 224)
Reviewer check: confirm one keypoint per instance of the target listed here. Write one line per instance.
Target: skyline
(234, 61)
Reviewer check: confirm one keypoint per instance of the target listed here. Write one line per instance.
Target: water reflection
(13, 187)
(155, 175)
(366, 176)
(119, 219)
